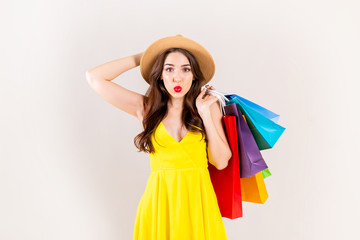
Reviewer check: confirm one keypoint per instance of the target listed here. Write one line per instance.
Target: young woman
(183, 131)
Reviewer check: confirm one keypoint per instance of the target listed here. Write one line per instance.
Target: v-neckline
(172, 136)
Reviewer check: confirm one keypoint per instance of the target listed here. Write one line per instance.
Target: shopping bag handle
(220, 95)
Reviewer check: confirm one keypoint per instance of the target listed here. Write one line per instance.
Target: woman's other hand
(137, 58)
(204, 101)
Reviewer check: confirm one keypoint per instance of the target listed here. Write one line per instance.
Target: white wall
(68, 165)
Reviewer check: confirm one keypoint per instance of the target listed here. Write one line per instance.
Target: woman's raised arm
(100, 77)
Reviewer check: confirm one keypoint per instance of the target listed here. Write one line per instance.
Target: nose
(176, 76)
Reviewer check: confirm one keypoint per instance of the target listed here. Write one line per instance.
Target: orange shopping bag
(253, 189)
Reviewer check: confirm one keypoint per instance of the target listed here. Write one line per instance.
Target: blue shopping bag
(267, 113)
(263, 127)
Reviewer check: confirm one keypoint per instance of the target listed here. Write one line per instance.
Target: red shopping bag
(226, 182)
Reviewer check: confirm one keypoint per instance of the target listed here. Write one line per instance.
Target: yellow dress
(179, 201)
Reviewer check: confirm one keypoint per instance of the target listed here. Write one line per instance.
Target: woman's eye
(185, 69)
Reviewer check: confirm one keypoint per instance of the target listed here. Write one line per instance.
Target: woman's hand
(204, 101)
(137, 58)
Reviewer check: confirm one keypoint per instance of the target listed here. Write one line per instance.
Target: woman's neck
(176, 104)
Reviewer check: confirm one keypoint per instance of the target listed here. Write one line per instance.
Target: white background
(68, 165)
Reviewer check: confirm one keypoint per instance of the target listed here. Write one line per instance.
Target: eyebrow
(173, 64)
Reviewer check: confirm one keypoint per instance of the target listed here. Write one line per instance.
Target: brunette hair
(156, 99)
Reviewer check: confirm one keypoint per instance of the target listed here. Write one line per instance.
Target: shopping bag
(226, 182)
(265, 131)
(251, 161)
(267, 113)
(266, 173)
(253, 189)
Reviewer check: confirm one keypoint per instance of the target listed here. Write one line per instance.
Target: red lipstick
(177, 89)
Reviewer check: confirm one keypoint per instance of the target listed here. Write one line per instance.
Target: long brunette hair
(156, 99)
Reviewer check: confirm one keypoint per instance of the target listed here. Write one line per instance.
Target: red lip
(177, 89)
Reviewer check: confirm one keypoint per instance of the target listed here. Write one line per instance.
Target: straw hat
(203, 57)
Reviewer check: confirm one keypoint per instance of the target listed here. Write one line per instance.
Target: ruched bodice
(190, 152)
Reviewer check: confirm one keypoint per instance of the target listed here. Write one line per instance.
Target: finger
(202, 93)
(210, 87)
(208, 97)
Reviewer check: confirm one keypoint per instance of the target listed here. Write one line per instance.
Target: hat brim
(203, 57)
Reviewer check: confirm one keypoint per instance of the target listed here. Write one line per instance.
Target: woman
(183, 131)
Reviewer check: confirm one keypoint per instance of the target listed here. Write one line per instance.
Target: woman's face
(177, 74)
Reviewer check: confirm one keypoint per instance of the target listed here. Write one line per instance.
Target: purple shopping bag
(251, 161)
